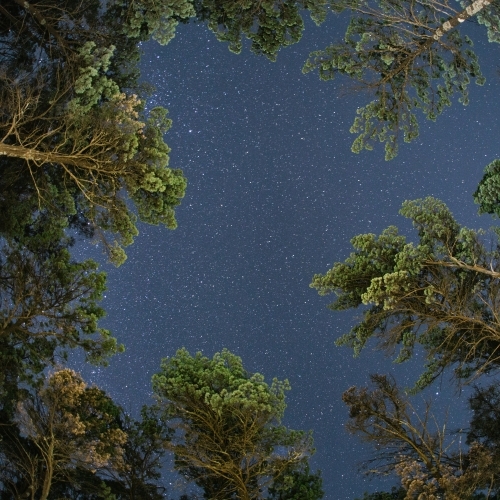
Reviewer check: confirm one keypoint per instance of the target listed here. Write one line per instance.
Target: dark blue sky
(274, 196)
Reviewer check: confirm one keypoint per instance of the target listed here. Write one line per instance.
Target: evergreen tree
(49, 304)
(58, 429)
(225, 423)
(411, 56)
(75, 140)
(441, 292)
(487, 194)
(297, 484)
(420, 450)
(268, 24)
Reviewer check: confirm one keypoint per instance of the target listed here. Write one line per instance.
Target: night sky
(274, 196)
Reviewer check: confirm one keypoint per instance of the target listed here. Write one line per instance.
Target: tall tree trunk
(45, 156)
(49, 472)
(470, 11)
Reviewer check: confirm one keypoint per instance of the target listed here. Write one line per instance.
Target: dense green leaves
(297, 484)
(95, 149)
(269, 24)
(441, 292)
(487, 194)
(75, 138)
(395, 51)
(220, 383)
(49, 304)
(226, 432)
(146, 18)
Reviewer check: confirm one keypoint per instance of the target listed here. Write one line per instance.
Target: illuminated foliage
(225, 422)
(441, 292)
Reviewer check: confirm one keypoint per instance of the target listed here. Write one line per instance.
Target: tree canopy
(62, 427)
(268, 24)
(411, 56)
(49, 304)
(420, 449)
(487, 194)
(440, 293)
(83, 152)
(74, 133)
(226, 432)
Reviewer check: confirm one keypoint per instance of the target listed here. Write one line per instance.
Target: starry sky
(274, 196)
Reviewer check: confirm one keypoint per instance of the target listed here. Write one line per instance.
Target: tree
(441, 293)
(74, 133)
(417, 448)
(63, 426)
(48, 304)
(137, 476)
(485, 404)
(385, 416)
(268, 24)
(58, 28)
(225, 424)
(92, 148)
(299, 484)
(146, 18)
(487, 194)
(410, 56)
(483, 434)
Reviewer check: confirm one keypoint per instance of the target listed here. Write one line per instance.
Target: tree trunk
(470, 11)
(49, 473)
(44, 156)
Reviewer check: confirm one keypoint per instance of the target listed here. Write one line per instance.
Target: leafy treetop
(225, 424)
(441, 292)
(410, 56)
(268, 24)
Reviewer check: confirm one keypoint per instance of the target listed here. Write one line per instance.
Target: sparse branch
(411, 442)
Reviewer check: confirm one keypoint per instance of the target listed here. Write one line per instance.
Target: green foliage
(440, 293)
(388, 50)
(221, 383)
(142, 19)
(298, 484)
(98, 147)
(487, 194)
(82, 143)
(268, 24)
(489, 17)
(395, 494)
(225, 427)
(92, 85)
(484, 425)
(49, 304)
(58, 431)
(143, 457)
